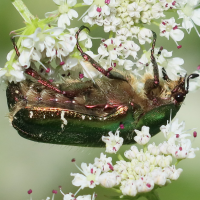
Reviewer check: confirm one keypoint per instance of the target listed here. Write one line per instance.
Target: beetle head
(181, 89)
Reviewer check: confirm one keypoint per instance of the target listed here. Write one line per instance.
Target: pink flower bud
(62, 63)
(194, 134)
(54, 191)
(48, 70)
(179, 46)
(30, 191)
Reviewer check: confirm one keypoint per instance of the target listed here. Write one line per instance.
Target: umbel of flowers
(49, 47)
(140, 171)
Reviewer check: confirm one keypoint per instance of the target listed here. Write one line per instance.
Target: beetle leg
(165, 76)
(44, 82)
(48, 84)
(153, 60)
(15, 46)
(108, 73)
(152, 83)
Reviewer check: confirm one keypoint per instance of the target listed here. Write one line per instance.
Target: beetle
(80, 113)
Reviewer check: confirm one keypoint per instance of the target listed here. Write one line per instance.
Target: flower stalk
(23, 10)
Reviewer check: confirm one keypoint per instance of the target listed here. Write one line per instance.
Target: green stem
(23, 10)
(80, 5)
(145, 148)
(111, 34)
(117, 190)
(152, 196)
(156, 23)
(120, 157)
(178, 160)
(143, 48)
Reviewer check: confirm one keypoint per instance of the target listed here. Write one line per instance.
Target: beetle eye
(179, 97)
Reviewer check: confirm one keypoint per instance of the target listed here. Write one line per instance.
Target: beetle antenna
(15, 46)
(191, 76)
(153, 60)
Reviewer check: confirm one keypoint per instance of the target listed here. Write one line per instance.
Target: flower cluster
(164, 60)
(48, 45)
(68, 196)
(143, 170)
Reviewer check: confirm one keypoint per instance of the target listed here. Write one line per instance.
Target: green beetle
(80, 113)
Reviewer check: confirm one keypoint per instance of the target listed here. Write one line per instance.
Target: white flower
(163, 161)
(109, 179)
(157, 11)
(141, 156)
(143, 136)
(128, 187)
(153, 149)
(69, 63)
(103, 163)
(85, 197)
(130, 48)
(144, 35)
(71, 196)
(13, 72)
(64, 11)
(98, 11)
(123, 33)
(172, 172)
(169, 28)
(142, 168)
(168, 4)
(131, 154)
(189, 14)
(159, 177)
(121, 166)
(68, 196)
(173, 130)
(27, 56)
(111, 48)
(172, 66)
(111, 23)
(52, 40)
(185, 149)
(89, 179)
(134, 10)
(165, 147)
(83, 37)
(145, 184)
(65, 45)
(113, 142)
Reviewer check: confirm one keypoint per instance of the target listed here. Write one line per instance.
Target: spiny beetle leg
(15, 46)
(152, 83)
(108, 73)
(34, 74)
(48, 84)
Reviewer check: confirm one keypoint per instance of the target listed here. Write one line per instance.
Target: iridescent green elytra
(80, 113)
